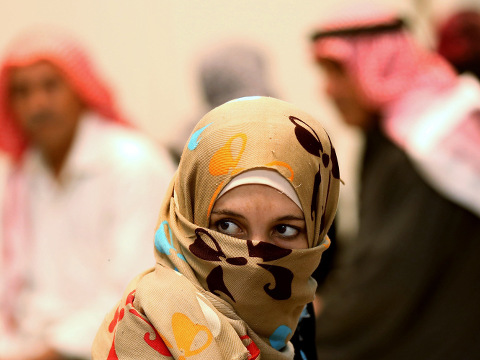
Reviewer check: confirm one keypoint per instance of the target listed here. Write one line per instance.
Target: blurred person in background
(226, 72)
(459, 40)
(80, 200)
(409, 286)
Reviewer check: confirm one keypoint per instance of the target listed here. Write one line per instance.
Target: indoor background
(149, 50)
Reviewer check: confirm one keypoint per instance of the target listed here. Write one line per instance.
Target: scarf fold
(213, 296)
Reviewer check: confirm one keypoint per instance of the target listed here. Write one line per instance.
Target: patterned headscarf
(53, 46)
(427, 110)
(213, 296)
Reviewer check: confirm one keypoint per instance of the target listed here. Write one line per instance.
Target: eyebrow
(290, 217)
(233, 213)
(227, 212)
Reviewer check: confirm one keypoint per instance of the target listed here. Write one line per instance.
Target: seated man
(79, 204)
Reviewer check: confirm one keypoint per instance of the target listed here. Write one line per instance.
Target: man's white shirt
(91, 233)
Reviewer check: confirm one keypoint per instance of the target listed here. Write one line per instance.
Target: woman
(240, 232)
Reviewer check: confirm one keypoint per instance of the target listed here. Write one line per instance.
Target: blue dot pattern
(195, 138)
(278, 339)
(163, 243)
(302, 354)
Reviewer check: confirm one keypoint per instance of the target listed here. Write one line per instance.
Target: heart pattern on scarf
(186, 333)
(310, 141)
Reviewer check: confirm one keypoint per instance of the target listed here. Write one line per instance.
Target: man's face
(44, 105)
(343, 91)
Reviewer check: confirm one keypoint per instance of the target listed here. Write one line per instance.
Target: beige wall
(148, 50)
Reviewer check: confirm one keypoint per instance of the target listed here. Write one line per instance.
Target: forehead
(38, 71)
(257, 196)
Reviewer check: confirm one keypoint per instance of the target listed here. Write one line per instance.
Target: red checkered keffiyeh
(427, 110)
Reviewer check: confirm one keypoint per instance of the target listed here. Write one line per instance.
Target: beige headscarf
(213, 296)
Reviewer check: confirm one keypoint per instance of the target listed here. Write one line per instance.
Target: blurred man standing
(409, 286)
(82, 184)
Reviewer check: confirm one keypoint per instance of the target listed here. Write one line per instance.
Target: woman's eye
(286, 230)
(228, 227)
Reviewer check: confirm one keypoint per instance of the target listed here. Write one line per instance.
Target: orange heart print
(223, 161)
(185, 332)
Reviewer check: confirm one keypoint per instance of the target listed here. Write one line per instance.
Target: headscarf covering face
(233, 138)
(257, 284)
(53, 46)
(385, 64)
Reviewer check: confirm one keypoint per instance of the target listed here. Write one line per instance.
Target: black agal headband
(394, 25)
